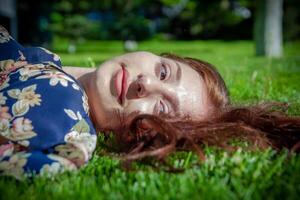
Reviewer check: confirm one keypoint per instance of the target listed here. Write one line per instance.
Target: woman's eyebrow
(173, 99)
(178, 72)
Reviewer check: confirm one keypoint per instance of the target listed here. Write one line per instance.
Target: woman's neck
(77, 72)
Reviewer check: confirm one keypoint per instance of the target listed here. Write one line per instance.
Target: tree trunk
(268, 28)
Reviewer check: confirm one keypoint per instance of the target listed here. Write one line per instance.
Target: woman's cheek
(141, 106)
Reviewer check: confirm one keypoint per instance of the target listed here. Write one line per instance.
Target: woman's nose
(145, 85)
(148, 85)
(138, 88)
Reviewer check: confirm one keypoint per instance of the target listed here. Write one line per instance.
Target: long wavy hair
(261, 126)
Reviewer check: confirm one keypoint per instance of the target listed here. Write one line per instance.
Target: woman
(154, 104)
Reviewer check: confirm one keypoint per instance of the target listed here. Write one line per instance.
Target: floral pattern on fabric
(4, 35)
(14, 166)
(14, 126)
(44, 114)
(59, 166)
(56, 77)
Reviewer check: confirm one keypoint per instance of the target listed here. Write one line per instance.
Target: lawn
(239, 175)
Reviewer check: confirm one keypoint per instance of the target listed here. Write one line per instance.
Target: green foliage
(237, 175)
(74, 27)
(241, 175)
(182, 19)
(199, 18)
(69, 19)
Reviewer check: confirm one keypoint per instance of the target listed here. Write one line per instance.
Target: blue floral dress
(44, 115)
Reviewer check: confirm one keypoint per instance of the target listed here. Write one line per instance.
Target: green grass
(241, 175)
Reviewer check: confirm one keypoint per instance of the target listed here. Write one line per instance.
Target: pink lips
(121, 84)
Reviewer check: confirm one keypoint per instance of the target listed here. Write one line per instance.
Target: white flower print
(49, 170)
(55, 56)
(4, 120)
(14, 165)
(14, 127)
(59, 166)
(21, 57)
(21, 130)
(20, 108)
(4, 127)
(86, 139)
(27, 95)
(56, 77)
(26, 98)
(4, 83)
(4, 114)
(6, 150)
(10, 65)
(29, 71)
(24, 143)
(4, 35)
(80, 143)
(85, 104)
(72, 114)
(50, 65)
(2, 99)
(75, 86)
(73, 152)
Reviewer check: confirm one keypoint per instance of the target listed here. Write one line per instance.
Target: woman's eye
(161, 108)
(163, 72)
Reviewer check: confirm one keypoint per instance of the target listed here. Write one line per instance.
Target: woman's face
(142, 82)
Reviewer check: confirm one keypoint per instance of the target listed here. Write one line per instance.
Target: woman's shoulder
(20, 73)
(45, 101)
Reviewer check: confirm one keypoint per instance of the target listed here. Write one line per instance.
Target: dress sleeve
(9, 48)
(25, 163)
(44, 110)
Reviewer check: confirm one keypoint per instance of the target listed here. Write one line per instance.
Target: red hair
(264, 125)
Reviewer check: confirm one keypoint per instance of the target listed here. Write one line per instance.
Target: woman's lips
(121, 84)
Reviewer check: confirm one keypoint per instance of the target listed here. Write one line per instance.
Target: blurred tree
(69, 20)
(102, 19)
(178, 19)
(193, 19)
(291, 20)
(268, 27)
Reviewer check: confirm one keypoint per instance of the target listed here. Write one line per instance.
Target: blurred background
(37, 22)
(64, 26)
